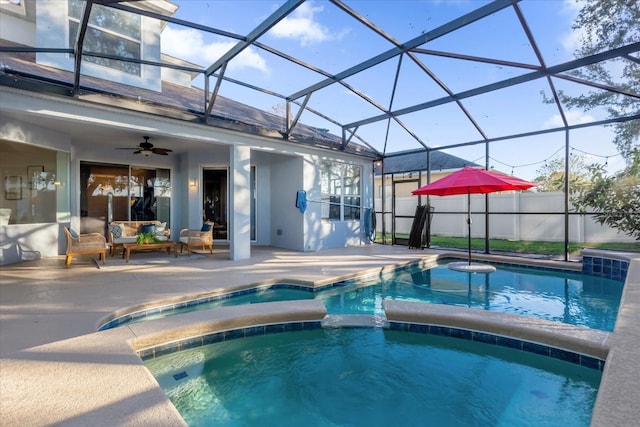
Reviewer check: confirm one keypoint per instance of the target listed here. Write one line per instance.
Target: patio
(56, 369)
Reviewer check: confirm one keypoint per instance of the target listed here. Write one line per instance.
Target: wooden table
(133, 247)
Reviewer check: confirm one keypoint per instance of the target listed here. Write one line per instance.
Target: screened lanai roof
(368, 76)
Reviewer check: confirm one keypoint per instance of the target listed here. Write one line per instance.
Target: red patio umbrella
(469, 181)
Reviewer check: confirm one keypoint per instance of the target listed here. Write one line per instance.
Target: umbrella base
(471, 268)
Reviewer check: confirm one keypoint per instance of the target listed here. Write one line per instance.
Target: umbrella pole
(469, 222)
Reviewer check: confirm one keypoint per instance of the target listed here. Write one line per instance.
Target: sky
(324, 36)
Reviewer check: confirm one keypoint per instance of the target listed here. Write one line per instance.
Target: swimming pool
(557, 295)
(370, 377)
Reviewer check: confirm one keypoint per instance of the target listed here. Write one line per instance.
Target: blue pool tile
(254, 331)
(213, 338)
(399, 326)
(484, 338)
(460, 333)
(440, 330)
(591, 362)
(293, 327)
(233, 334)
(509, 342)
(312, 325)
(169, 348)
(418, 328)
(146, 354)
(189, 343)
(274, 329)
(536, 348)
(565, 355)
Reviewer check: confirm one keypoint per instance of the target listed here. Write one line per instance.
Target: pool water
(372, 377)
(561, 296)
(566, 297)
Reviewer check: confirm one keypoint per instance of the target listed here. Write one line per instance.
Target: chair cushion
(206, 227)
(73, 233)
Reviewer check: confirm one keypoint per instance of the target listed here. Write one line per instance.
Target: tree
(615, 200)
(607, 24)
(551, 175)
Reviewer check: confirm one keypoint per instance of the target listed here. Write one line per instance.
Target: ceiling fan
(146, 148)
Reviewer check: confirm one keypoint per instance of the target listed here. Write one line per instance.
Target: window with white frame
(110, 32)
(340, 191)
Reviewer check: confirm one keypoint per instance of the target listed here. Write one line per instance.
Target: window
(340, 191)
(34, 184)
(110, 32)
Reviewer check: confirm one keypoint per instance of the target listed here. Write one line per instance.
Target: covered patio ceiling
(384, 76)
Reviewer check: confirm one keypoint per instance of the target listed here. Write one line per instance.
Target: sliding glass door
(122, 193)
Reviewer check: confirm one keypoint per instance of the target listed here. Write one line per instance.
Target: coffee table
(134, 247)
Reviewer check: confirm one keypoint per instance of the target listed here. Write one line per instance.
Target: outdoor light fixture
(193, 183)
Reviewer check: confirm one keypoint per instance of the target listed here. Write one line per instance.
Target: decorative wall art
(13, 187)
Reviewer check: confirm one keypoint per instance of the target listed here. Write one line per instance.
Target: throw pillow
(160, 229)
(206, 227)
(115, 230)
(148, 228)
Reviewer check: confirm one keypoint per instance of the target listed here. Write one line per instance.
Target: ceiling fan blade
(161, 151)
(147, 148)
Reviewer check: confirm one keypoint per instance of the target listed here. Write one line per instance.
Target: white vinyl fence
(540, 217)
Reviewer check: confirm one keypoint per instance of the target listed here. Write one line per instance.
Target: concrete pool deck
(56, 369)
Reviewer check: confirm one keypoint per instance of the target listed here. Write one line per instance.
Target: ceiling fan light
(146, 153)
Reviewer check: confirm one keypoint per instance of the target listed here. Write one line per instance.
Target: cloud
(300, 25)
(572, 40)
(189, 45)
(573, 117)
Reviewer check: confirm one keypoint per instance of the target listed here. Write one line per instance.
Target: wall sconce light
(57, 183)
(193, 183)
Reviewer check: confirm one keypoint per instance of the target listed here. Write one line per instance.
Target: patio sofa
(121, 232)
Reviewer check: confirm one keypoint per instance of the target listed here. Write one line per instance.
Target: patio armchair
(200, 239)
(83, 244)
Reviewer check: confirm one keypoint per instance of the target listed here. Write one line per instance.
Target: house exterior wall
(17, 30)
(282, 169)
(287, 228)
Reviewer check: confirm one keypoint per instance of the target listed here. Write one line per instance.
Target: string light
(545, 161)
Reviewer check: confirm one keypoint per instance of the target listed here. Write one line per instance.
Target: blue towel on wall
(301, 200)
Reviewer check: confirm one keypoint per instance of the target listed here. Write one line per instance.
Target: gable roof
(416, 160)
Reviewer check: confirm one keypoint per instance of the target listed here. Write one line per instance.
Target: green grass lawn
(525, 247)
